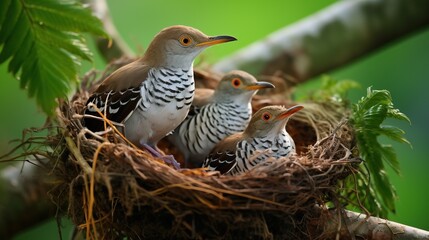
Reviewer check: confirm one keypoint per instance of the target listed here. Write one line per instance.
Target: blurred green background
(402, 68)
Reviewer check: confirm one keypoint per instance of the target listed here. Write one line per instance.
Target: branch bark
(115, 47)
(331, 38)
(335, 36)
(359, 226)
(24, 199)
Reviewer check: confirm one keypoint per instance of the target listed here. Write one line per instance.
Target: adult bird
(151, 96)
(264, 137)
(215, 115)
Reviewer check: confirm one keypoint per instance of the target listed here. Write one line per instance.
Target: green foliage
(43, 39)
(370, 188)
(367, 118)
(333, 90)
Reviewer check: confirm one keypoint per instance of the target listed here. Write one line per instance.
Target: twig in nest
(123, 184)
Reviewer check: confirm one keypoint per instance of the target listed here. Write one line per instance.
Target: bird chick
(215, 115)
(264, 137)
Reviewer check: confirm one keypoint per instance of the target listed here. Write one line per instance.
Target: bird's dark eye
(266, 116)
(185, 40)
(236, 82)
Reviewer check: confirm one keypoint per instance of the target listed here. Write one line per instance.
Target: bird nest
(112, 190)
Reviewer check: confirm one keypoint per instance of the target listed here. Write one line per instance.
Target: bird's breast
(250, 153)
(213, 122)
(166, 97)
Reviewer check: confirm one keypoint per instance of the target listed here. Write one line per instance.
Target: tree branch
(359, 226)
(114, 48)
(331, 38)
(24, 199)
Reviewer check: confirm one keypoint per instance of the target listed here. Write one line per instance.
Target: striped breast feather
(116, 105)
(169, 85)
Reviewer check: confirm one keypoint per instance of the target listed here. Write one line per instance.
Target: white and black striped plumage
(152, 95)
(216, 115)
(264, 137)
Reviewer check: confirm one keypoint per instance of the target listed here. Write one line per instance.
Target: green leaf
(67, 16)
(368, 116)
(43, 39)
(71, 42)
(15, 39)
(373, 202)
(393, 133)
(29, 67)
(42, 87)
(12, 16)
(4, 7)
(21, 55)
(385, 190)
(374, 116)
(389, 156)
(395, 113)
(375, 97)
(333, 90)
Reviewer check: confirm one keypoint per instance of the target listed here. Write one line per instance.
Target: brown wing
(223, 158)
(202, 97)
(128, 76)
(117, 96)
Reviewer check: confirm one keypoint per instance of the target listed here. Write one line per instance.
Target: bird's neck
(278, 131)
(173, 61)
(274, 135)
(241, 99)
(179, 62)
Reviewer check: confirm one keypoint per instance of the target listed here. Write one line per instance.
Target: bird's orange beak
(216, 40)
(289, 112)
(259, 85)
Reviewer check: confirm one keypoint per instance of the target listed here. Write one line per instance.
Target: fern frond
(44, 42)
(368, 116)
(333, 90)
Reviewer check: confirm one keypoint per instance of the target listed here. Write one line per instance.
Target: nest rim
(270, 190)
